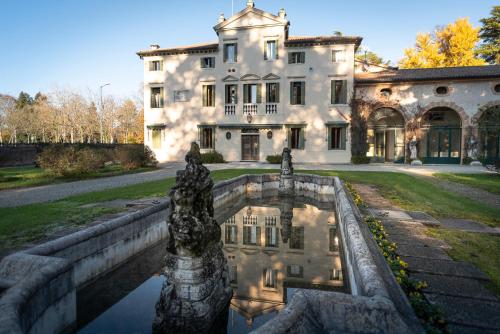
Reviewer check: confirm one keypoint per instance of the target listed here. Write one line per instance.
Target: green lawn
(18, 177)
(22, 224)
(476, 248)
(488, 182)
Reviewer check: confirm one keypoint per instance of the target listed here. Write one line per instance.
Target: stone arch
(390, 105)
(482, 109)
(452, 105)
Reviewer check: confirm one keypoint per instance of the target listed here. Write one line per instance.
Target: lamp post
(102, 110)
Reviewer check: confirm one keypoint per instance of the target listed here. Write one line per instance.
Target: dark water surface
(273, 246)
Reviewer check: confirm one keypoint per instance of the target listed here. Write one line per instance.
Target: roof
(193, 48)
(426, 74)
(299, 41)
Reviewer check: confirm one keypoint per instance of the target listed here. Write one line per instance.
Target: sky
(83, 44)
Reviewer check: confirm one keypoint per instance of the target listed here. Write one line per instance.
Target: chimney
(282, 13)
(221, 18)
(250, 3)
(154, 46)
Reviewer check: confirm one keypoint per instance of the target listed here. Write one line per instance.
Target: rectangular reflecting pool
(274, 246)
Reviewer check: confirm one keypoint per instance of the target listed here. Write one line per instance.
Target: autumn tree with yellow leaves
(452, 45)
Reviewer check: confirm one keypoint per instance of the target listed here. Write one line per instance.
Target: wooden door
(249, 147)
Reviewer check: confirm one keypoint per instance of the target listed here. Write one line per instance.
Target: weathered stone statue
(472, 151)
(286, 216)
(286, 185)
(195, 297)
(413, 152)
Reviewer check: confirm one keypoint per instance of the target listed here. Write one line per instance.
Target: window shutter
(213, 96)
(224, 53)
(289, 137)
(276, 49)
(303, 93)
(290, 57)
(259, 93)
(161, 97)
(343, 137)
(343, 92)
(302, 139)
(151, 66)
(265, 50)
(202, 63)
(332, 92)
(235, 52)
(245, 93)
(302, 57)
(161, 65)
(213, 138)
(291, 93)
(329, 134)
(277, 92)
(205, 95)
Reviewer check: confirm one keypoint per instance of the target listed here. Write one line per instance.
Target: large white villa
(258, 89)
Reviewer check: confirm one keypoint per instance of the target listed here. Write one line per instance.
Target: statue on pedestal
(413, 152)
(196, 295)
(472, 151)
(287, 183)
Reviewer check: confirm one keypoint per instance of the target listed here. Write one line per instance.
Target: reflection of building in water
(263, 261)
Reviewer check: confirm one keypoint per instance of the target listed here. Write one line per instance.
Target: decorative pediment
(251, 17)
(229, 78)
(270, 76)
(250, 76)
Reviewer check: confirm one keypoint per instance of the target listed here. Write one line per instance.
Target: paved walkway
(456, 287)
(53, 192)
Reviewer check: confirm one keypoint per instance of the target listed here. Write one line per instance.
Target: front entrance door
(250, 147)
(443, 145)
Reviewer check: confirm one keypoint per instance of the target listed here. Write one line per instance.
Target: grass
(476, 248)
(31, 222)
(20, 177)
(488, 182)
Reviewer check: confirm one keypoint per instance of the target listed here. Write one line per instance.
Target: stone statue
(413, 152)
(472, 148)
(286, 216)
(287, 183)
(196, 294)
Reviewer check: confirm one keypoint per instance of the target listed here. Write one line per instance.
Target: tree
(452, 45)
(489, 50)
(370, 57)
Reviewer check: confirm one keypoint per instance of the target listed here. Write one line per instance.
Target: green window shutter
(277, 49)
(213, 138)
(235, 52)
(302, 139)
(204, 95)
(343, 137)
(303, 93)
(213, 96)
(329, 134)
(291, 93)
(277, 92)
(303, 57)
(161, 97)
(224, 53)
(332, 92)
(289, 137)
(290, 57)
(343, 92)
(245, 93)
(199, 135)
(265, 50)
(259, 93)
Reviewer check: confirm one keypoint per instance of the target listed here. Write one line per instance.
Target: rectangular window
(251, 235)
(296, 58)
(207, 62)
(337, 137)
(338, 91)
(272, 92)
(231, 94)
(297, 238)
(270, 50)
(156, 65)
(297, 92)
(230, 53)
(296, 138)
(333, 240)
(156, 97)
(294, 270)
(271, 234)
(156, 135)
(338, 56)
(252, 93)
(209, 95)
(269, 278)
(207, 137)
(231, 234)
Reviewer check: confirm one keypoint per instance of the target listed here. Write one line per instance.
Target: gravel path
(53, 192)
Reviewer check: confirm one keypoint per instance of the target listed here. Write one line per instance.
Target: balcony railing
(230, 109)
(250, 109)
(271, 108)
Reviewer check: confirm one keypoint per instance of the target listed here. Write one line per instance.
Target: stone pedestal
(196, 295)
(416, 162)
(287, 183)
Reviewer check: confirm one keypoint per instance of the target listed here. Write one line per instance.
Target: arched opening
(489, 134)
(386, 136)
(441, 136)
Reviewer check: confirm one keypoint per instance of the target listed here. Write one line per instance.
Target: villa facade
(258, 89)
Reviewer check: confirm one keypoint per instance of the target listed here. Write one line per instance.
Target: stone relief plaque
(181, 95)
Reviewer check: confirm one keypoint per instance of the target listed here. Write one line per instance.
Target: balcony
(230, 109)
(250, 109)
(271, 108)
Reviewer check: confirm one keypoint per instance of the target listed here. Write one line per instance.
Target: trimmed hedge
(212, 157)
(358, 160)
(274, 159)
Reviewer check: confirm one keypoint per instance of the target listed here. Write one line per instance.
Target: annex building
(257, 89)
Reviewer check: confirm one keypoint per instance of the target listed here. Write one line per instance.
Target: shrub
(274, 159)
(212, 157)
(70, 160)
(89, 160)
(132, 157)
(467, 161)
(360, 159)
